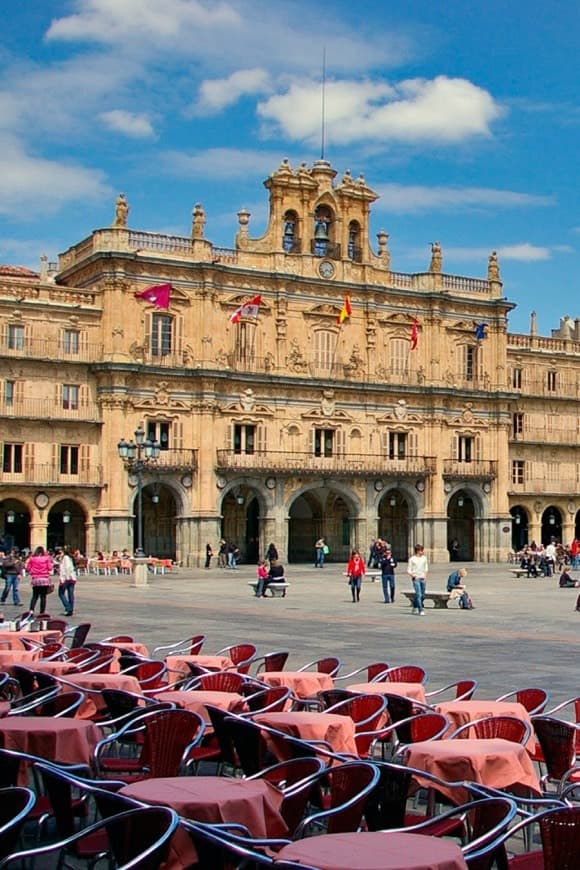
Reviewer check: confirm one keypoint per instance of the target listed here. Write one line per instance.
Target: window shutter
(311, 441)
(83, 396)
(56, 457)
(84, 458)
(178, 339)
(177, 434)
(413, 442)
(385, 442)
(28, 459)
(339, 440)
(58, 397)
(261, 439)
(230, 436)
(477, 447)
(455, 447)
(19, 391)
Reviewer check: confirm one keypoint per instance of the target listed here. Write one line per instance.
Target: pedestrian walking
(356, 570)
(418, 568)
(39, 567)
(387, 564)
(67, 582)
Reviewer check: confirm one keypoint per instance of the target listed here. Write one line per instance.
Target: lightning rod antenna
(323, 107)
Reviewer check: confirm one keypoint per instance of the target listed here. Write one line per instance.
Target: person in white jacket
(418, 568)
(67, 581)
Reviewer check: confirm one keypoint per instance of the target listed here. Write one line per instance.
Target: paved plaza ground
(521, 633)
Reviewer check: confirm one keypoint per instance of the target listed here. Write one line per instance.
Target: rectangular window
(552, 381)
(517, 378)
(399, 354)
(324, 348)
(69, 459)
(553, 470)
(465, 448)
(245, 342)
(244, 439)
(12, 458)
(70, 397)
(161, 334)
(397, 445)
(71, 341)
(323, 442)
(469, 370)
(159, 432)
(518, 471)
(518, 423)
(15, 337)
(9, 393)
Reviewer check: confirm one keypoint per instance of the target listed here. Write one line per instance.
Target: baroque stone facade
(289, 425)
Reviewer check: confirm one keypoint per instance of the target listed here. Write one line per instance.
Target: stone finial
(243, 219)
(121, 212)
(43, 267)
(436, 263)
(197, 221)
(533, 323)
(493, 268)
(383, 239)
(361, 181)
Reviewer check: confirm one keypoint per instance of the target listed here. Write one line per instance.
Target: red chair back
(406, 674)
(223, 681)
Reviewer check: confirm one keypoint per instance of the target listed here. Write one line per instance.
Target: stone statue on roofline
(197, 221)
(436, 263)
(121, 212)
(493, 268)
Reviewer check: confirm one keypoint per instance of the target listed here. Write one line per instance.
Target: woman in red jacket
(39, 566)
(356, 570)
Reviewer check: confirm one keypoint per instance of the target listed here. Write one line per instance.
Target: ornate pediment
(317, 415)
(399, 414)
(466, 417)
(396, 318)
(325, 311)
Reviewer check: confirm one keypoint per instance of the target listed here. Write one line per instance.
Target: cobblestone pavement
(521, 633)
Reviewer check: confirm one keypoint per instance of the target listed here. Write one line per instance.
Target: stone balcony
(478, 469)
(346, 464)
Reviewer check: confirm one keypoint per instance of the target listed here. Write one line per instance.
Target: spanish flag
(346, 310)
(414, 334)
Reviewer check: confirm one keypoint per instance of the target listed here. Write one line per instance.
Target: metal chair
(272, 661)
(490, 727)
(190, 646)
(372, 670)
(464, 690)
(241, 654)
(557, 740)
(77, 636)
(403, 674)
(534, 700)
(329, 665)
(15, 807)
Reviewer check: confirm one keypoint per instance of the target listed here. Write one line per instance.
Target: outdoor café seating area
(186, 755)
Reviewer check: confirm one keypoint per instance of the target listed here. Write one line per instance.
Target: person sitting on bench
(275, 575)
(455, 585)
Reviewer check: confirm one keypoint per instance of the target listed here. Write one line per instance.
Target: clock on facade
(326, 269)
(41, 500)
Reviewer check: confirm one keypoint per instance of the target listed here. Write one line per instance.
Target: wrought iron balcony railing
(480, 468)
(37, 474)
(290, 462)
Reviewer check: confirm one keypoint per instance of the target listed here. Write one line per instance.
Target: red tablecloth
(303, 684)
(4, 708)
(375, 851)
(196, 701)
(498, 763)
(18, 657)
(70, 741)
(179, 663)
(461, 712)
(415, 691)
(334, 729)
(13, 637)
(97, 682)
(135, 647)
(55, 668)
(255, 804)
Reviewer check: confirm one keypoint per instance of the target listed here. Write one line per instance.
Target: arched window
(290, 239)
(354, 247)
(322, 244)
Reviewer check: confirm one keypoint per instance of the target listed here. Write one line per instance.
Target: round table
(253, 803)
(336, 730)
(375, 851)
(69, 741)
(461, 712)
(498, 763)
(414, 691)
(303, 684)
(196, 701)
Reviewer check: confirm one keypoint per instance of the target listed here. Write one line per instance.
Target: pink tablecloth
(13, 637)
(337, 730)
(179, 663)
(461, 712)
(375, 851)
(303, 684)
(415, 691)
(55, 668)
(255, 804)
(23, 657)
(97, 682)
(66, 740)
(196, 701)
(498, 763)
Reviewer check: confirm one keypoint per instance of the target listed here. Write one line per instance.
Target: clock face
(41, 500)
(326, 269)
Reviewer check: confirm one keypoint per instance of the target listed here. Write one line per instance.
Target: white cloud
(401, 198)
(31, 185)
(129, 123)
(220, 163)
(217, 94)
(441, 110)
(524, 252)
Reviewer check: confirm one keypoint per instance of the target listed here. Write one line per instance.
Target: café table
(303, 684)
(95, 683)
(54, 667)
(196, 701)
(376, 850)
(334, 729)
(69, 741)
(253, 803)
(414, 691)
(179, 663)
(23, 657)
(131, 647)
(461, 712)
(12, 638)
(498, 763)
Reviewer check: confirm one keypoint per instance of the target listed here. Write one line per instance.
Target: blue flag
(480, 331)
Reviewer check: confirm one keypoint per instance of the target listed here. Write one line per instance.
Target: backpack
(465, 602)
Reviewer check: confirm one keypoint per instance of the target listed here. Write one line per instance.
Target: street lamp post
(138, 455)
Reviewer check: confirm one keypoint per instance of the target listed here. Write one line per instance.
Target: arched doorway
(394, 516)
(15, 529)
(551, 525)
(320, 512)
(519, 528)
(66, 526)
(159, 516)
(461, 527)
(241, 522)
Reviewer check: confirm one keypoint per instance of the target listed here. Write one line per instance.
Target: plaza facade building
(348, 400)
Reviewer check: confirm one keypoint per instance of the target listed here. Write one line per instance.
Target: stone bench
(439, 599)
(519, 572)
(276, 590)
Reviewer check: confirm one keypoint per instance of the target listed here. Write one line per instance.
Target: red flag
(346, 310)
(158, 295)
(414, 334)
(250, 308)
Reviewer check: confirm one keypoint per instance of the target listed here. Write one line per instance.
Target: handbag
(50, 588)
(326, 550)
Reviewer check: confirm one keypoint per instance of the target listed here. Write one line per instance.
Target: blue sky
(464, 117)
